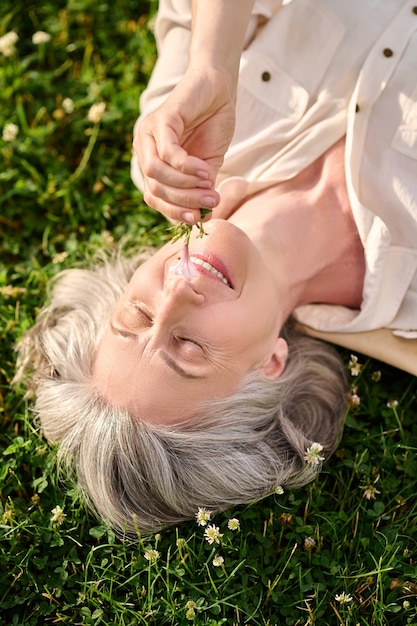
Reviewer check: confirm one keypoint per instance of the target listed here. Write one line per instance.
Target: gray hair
(140, 476)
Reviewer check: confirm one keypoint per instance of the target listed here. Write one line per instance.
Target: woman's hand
(181, 146)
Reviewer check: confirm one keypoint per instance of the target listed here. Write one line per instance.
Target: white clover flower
(354, 400)
(354, 366)
(343, 598)
(203, 516)
(10, 132)
(376, 376)
(392, 404)
(40, 37)
(7, 43)
(218, 560)
(370, 492)
(190, 614)
(68, 105)
(9, 39)
(9, 514)
(59, 257)
(312, 454)
(58, 515)
(279, 490)
(9, 291)
(286, 519)
(191, 606)
(309, 544)
(96, 112)
(233, 524)
(213, 534)
(151, 554)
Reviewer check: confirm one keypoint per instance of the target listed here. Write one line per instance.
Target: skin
(181, 146)
(211, 331)
(292, 244)
(304, 246)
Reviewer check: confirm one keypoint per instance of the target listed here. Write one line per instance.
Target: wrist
(221, 79)
(217, 35)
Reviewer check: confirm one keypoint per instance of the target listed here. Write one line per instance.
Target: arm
(181, 146)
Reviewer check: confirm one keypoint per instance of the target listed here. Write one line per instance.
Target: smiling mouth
(210, 268)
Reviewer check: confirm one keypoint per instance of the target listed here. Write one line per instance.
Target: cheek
(238, 334)
(253, 333)
(264, 303)
(255, 317)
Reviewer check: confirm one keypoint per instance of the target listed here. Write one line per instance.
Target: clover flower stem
(184, 267)
(184, 230)
(86, 156)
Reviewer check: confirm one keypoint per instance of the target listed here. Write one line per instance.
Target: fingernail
(204, 184)
(188, 217)
(208, 201)
(202, 174)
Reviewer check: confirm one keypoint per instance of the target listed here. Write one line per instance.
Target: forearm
(217, 36)
(181, 145)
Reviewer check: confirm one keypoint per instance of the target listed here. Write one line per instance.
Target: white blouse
(313, 71)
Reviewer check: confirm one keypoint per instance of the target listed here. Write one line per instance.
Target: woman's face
(172, 343)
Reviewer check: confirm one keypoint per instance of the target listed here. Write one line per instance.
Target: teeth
(210, 268)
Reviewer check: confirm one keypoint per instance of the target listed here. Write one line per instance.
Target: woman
(170, 393)
(310, 74)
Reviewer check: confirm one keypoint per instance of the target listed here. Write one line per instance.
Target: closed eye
(147, 318)
(190, 340)
(190, 348)
(144, 313)
(134, 316)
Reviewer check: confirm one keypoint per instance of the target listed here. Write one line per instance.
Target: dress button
(387, 52)
(266, 76)
(415, 10)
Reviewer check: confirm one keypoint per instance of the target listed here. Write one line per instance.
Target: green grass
(65, 191)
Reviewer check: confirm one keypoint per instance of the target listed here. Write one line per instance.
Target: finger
(157, 170)
(191, 198)
(177, 212)
(159, 174)
(162, 147)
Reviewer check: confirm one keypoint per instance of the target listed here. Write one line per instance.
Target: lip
(211, 258)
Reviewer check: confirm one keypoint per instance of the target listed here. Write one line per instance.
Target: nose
(177, 298)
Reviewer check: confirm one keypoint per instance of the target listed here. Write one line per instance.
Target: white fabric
(328, 77)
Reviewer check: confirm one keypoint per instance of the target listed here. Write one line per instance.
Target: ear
(274, 367)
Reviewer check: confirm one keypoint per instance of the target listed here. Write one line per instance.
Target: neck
(304, 228)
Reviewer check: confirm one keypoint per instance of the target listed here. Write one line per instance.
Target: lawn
(340, 551)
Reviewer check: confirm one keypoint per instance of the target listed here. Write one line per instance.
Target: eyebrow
(121, 333)
(177, 368)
